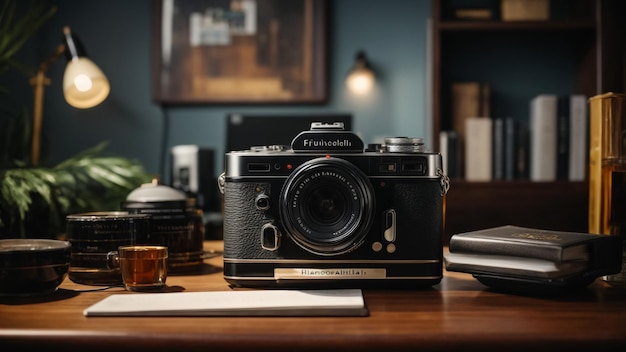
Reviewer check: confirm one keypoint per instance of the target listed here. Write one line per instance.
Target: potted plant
(34, 200)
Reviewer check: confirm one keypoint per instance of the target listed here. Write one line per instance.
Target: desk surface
(460, 313)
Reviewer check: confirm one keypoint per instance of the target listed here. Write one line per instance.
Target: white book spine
(578, 138)
(478, 149)
(543, 124)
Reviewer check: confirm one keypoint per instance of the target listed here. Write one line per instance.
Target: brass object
(607, 168)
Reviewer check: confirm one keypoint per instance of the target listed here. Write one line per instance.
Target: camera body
(327, 212)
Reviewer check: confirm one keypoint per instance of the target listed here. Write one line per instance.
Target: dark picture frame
(240, 52)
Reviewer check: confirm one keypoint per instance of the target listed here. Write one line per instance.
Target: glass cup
(142, 267)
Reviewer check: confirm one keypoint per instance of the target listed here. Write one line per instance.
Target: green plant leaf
(89, 181)
(15, 31)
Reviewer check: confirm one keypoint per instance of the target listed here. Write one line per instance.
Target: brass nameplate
(330, 273)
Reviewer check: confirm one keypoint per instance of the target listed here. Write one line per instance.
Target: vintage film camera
(329, 213)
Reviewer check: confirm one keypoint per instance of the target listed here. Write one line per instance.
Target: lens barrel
(327, 206)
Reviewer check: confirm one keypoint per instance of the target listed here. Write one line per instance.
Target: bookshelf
(577, 51)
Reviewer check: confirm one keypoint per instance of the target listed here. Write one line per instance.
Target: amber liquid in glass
(143, 267)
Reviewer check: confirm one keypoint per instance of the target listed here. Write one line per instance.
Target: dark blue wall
(118, 33)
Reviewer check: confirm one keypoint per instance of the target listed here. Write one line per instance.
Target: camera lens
(327, 206)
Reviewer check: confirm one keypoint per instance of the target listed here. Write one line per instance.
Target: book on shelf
(543, 134)
(511, 141)
(449, 149)
(518, 241)
(522, 153)
(505, 148)
(499, 149)
(553, 147)
(473, 14)
(558, 137)
(478, 149)
(563, 137)
(469, 99)
(578, 137)
(525, 10)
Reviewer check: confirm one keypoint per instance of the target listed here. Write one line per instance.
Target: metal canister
(176, 222)
(95, 234)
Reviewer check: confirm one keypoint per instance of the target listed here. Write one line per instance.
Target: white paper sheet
(234, 303)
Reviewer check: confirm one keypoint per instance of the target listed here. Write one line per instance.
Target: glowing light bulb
(83, 83)
(360, 81)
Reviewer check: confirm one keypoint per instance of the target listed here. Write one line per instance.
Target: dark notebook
(517, 241)
(534, 260)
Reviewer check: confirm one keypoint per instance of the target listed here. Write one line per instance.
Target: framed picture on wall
(239, 52)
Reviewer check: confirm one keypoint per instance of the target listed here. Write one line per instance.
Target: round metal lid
(154, 192)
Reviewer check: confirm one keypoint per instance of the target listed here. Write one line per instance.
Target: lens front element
(327, 206)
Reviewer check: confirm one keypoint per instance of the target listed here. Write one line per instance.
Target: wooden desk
(458, 314)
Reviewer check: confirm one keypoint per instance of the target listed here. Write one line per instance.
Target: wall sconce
(361, 78)
(84, 84)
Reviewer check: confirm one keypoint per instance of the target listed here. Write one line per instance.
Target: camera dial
(269, 148)
(404, 145)
(327, 206)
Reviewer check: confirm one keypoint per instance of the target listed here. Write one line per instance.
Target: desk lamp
(84, 84)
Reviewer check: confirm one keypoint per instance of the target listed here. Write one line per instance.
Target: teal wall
(117, 35)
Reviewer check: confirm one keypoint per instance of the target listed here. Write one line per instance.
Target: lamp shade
(84, 84)
(361, 78)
